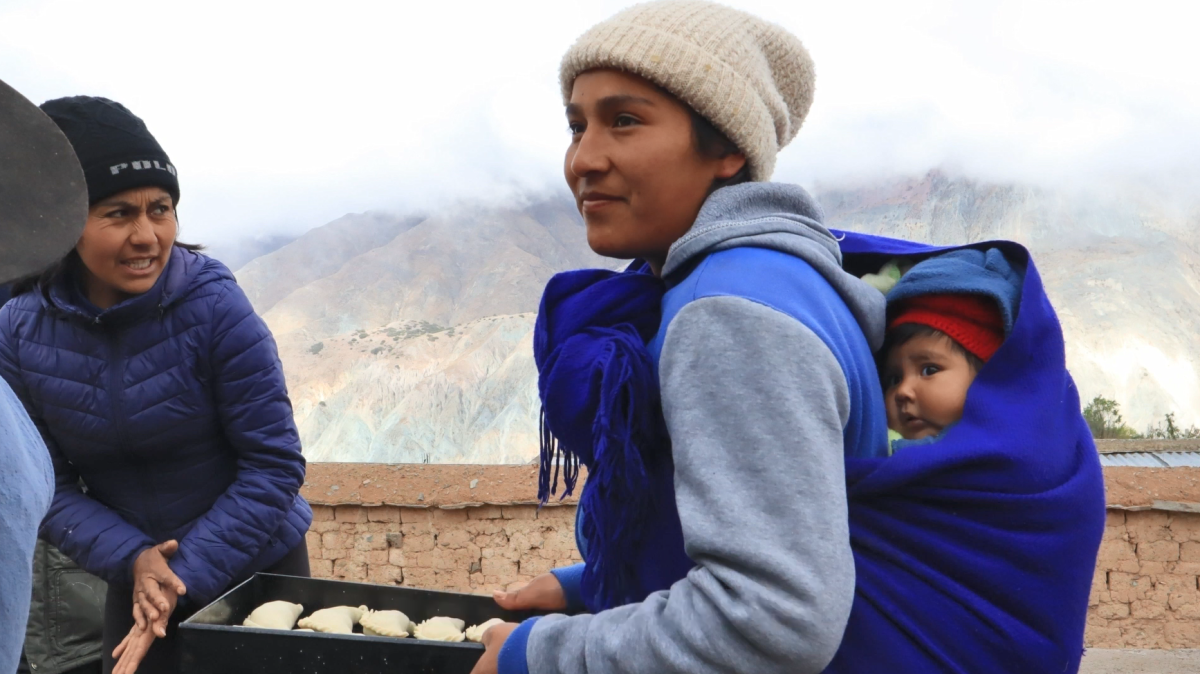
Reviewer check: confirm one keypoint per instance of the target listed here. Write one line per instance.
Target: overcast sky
(284, 115)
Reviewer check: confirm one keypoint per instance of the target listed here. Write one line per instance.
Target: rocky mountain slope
(408, 338)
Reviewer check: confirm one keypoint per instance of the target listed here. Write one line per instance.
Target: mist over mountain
(407, 338)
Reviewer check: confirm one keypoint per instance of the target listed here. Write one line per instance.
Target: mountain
(237, 254)
(407, 338)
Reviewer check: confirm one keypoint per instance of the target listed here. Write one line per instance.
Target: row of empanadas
(282, 615)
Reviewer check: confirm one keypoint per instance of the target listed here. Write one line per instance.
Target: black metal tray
(213, 642)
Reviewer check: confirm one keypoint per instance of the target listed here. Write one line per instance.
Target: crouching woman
(161, 398)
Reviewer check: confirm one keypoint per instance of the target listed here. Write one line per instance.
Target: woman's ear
(729, 165)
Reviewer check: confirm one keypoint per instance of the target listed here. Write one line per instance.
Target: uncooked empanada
(459, 625)
(475, 632)
(336, 620)
(385, 624)
(440, 629)
(274, 615)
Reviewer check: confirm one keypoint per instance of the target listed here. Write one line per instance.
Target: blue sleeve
(26, 487)
(571, 579)
(93, 535)
(512, 658)
(256, 416)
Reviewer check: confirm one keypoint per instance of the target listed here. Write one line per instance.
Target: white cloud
(284, 115)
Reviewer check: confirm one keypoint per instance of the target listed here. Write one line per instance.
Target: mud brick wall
(1146, 591)
(477, 529)
(469, 549)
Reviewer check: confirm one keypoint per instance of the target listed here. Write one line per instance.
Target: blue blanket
(976, 553)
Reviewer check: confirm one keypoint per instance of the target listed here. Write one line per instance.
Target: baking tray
(213, 641)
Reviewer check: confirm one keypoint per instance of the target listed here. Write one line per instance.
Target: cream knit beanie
(752, 79)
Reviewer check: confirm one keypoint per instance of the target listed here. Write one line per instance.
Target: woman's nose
(143, 232)
(589, 157)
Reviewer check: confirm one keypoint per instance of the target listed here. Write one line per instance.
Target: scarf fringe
(548, 469)
(619, 496)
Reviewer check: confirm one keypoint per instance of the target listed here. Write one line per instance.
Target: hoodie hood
(784, 218)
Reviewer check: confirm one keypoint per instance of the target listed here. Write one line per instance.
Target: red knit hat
(974, 321)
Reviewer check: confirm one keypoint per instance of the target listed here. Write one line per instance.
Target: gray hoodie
(768, 382)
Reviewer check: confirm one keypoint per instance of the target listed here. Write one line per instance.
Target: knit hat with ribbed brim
(113, 145)
(752, 79)
(974, 321)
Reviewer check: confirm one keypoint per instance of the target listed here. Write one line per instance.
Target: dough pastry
(440, 629)
(336, 620)
(459, 625)
(475, 632)
(303, 629)
(274, 615)
(385, 624)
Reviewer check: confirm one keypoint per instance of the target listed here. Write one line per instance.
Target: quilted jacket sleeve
(252, 401)
(87, 531)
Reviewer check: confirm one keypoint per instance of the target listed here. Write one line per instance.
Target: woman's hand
(543, 593)
(132, 649)
(493, 641)
(156, 589)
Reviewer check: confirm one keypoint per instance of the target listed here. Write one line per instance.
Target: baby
(947, 316)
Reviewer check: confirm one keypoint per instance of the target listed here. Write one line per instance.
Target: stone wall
(476, 529)
(1146, 591)
(469, 549)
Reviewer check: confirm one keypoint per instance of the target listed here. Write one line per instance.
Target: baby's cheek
(889, 406)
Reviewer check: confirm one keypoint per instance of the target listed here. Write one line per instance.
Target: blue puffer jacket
(172, 408)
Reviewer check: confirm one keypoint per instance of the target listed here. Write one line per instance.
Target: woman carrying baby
(740, 321)
(740, 512)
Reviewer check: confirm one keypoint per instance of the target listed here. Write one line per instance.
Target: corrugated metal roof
(1151, 459)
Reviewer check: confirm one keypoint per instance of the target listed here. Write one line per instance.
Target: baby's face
(925, 382)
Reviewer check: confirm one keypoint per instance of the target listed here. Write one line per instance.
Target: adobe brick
(520, 512)
(384, 513)
(414, 515)
(442, 516)
(321, 568)
(1158, 551)
(487, 512)
(350, 513)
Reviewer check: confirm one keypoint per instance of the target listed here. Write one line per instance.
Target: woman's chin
(138, 286)
(603, 245)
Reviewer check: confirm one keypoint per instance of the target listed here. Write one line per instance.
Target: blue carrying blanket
(974, 553)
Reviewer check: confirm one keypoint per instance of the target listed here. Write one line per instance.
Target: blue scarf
(600, 407)
(974, 553)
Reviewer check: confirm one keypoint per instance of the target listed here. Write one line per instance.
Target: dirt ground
(1131, 661)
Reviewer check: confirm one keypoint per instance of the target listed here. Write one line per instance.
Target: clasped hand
(156, 591)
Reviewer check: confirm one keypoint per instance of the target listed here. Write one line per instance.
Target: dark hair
(45, 278)
(906, 332)
(712, 144)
